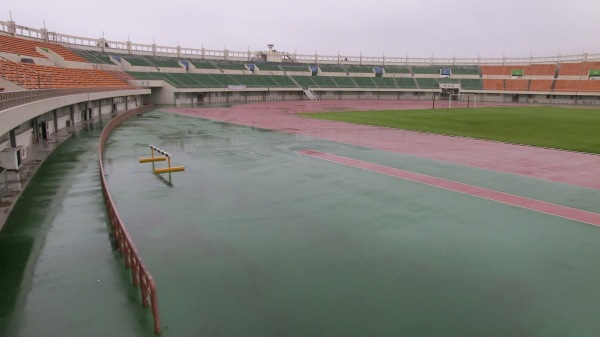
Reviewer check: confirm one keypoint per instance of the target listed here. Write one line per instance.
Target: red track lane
(536, 205)
(560, 166)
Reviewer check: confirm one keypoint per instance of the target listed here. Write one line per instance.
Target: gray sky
(419, 28)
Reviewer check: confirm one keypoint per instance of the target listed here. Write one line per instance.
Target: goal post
(468, 101)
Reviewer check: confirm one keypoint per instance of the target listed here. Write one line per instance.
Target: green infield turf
(575, 129)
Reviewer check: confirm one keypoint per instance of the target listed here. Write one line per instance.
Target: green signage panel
(595, 73)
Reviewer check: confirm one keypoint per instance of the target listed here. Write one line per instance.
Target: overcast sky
(417, 28)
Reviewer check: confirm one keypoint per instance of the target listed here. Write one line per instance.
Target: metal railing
(140, 274)
(12, 99)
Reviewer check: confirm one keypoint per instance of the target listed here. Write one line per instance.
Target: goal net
(464, 101)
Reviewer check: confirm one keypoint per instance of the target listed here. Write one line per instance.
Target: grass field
(575, 129)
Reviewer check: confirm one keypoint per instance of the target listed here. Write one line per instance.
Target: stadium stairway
(310, 95)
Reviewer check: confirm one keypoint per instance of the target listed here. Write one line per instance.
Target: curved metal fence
(140, 274)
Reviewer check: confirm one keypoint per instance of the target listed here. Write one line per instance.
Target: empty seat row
(56, 77)
(13, 45)
(528, 70)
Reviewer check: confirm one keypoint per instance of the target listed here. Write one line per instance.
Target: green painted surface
(256, 240)
(573, 129)
(59, 275)
(517, 72)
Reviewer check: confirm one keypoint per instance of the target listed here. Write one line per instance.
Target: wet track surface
(256, 239)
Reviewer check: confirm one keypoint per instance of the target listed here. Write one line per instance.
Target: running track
(554, 165)
(506, 198)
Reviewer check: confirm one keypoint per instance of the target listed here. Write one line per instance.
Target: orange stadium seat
(566, 85)
(32, 76)
(496, 70)
(577, 69)
(517, 85)
(539, 70)
(25, 47)
(528, 70)
(541, 85)
(493, 84)
(589, 86)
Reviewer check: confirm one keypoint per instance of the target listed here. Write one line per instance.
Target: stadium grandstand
(51, 81)
(39, 59)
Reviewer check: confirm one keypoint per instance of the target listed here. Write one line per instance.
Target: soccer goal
(468, 101)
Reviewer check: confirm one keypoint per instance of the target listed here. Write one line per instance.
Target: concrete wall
(13, 117)
(46, 110)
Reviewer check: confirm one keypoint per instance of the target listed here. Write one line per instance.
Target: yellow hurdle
(167, 158)
(152, 160)
(170, 169)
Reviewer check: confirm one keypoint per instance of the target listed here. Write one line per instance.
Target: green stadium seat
(427, 83)
(295, 67)
(465, 70)
(426, 70)
(396, 69)
(405, 82)
(202, 64)
(268, 66)
(332, 68)
(324, 82)
(231, 65)
(343, 82)
(305, 81)
(360, 69)
(471, 84)
(384, 82)
(93, 56)
(366, 82)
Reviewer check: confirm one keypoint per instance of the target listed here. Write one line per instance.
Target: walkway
(60, 276)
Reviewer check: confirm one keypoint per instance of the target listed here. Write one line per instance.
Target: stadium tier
(32, 76)
(93, 56)
(521, 70)
(268, 66)
(465, 70)
(19, 46)
(33, 61)
(541, 85)
(397, 69)
(295, 67)
(146, 61)
(202, 64)
(577, 69)
(332, 68)
(426, 70)
(360, 69)
(471, 84)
